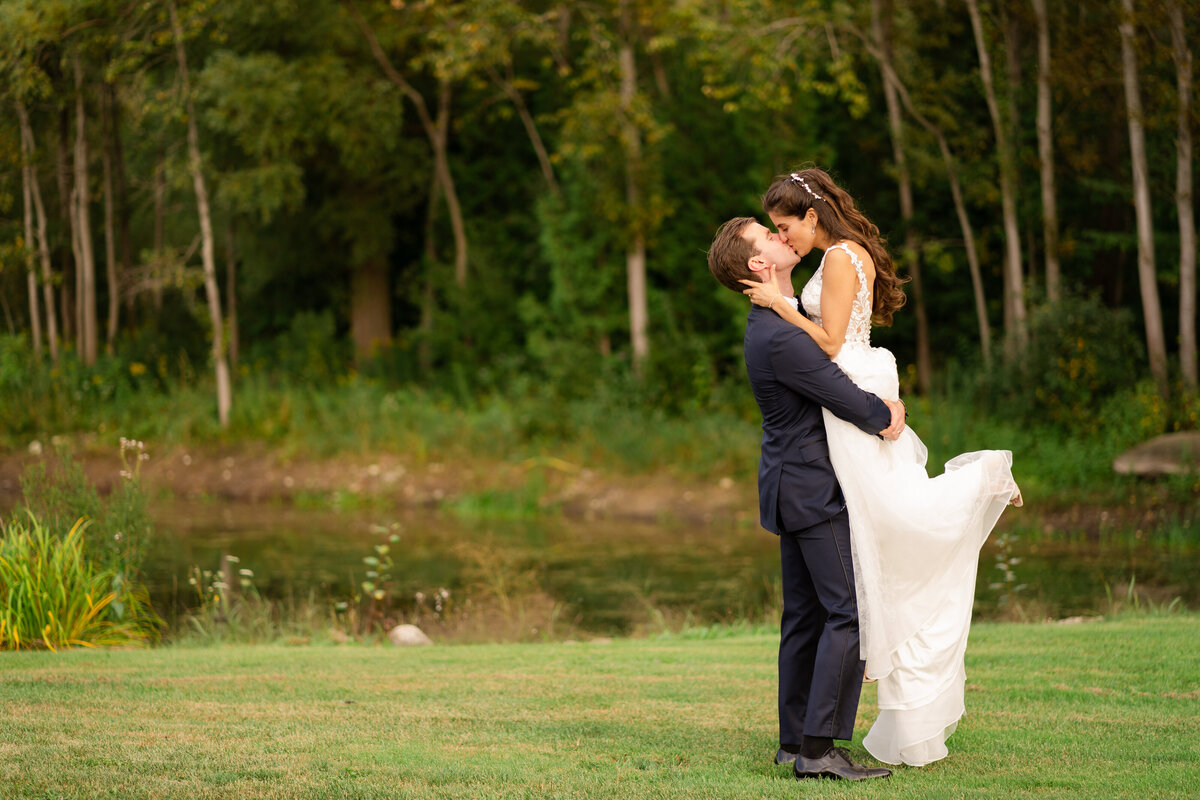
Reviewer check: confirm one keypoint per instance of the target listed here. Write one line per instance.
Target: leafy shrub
(52, 595)
(1080, 353)
(119, 526)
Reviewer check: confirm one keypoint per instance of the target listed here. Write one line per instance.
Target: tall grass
(706, 429)
(53, 596)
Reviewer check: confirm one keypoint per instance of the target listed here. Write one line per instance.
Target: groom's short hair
(730, 254)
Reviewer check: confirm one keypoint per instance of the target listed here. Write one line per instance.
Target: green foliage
(54, 595)
(226, 607)
(119, 526)
(1081, 352)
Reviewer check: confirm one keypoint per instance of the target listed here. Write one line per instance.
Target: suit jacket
(792, 380)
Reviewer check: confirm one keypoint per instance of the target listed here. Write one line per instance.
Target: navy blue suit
(820, 672)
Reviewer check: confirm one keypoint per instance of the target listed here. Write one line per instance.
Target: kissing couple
(878, 559)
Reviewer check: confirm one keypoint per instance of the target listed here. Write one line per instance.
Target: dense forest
(488, 196)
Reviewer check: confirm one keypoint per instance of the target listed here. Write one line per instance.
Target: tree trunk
(428, 297)
(441, 162)
(1046, 156)
(110, 233)
(1147, 279)
(1183, 196)
(881, 22)
(66, 208)
(890, 77)
(43, 246)
(231, 308)
(87, 265)
(370, 307)
(160, 225)
(125, 257)
(535, 138)
(1016, 329)
(35, 317)
(635, 254)
(1151, 307)
(212, 293)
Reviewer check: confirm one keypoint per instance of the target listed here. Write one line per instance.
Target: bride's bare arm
(838, 288)
(767, 295)
(837, 294)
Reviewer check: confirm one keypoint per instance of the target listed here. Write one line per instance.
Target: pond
(524, 578)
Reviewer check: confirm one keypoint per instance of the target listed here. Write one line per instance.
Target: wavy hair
(794, 194)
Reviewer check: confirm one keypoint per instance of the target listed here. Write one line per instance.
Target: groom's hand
(892, 432)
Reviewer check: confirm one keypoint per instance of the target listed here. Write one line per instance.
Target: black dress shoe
(784, 757)
(836, 764)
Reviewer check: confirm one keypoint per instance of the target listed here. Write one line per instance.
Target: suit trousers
(820, 672)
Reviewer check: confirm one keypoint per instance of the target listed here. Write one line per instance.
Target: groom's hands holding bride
(892, 432)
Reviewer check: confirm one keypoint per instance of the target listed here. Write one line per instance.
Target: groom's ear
(758, 265)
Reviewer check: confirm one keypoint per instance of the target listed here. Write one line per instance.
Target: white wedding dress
(915, 541)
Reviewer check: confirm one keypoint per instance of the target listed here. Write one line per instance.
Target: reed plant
(53, 596)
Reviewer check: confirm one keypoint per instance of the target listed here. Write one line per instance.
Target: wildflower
(246, 573)
(232, 559)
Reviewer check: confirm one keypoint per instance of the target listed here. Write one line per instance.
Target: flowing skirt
(916, 543)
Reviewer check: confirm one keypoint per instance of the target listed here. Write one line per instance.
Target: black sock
(790, 748)
(815, 746)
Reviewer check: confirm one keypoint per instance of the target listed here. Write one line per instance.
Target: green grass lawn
(1109, 709)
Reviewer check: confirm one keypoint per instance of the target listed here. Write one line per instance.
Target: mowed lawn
(1094, 710)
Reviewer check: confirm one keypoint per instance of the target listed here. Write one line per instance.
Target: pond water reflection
(611, 577)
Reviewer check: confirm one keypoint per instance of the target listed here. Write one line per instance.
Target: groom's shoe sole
(784, 757)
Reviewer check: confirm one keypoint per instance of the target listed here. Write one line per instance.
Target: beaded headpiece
(798, 179)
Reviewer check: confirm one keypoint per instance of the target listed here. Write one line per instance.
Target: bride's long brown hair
(794, 194)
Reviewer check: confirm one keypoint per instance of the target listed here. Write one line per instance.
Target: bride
(915, 539)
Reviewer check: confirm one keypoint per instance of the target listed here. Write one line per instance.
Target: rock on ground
(1171, 454)
(407, 636)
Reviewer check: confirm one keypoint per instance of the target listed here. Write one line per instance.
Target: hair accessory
(796, 177)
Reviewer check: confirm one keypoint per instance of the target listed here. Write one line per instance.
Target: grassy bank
(609, 433)
(1096, 710)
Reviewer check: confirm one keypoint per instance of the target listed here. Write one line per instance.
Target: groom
(820, 672)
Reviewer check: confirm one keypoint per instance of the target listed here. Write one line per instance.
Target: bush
(119, 527)
(52, 595)
(1080, 353)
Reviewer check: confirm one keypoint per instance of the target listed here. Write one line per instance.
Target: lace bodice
(859, 329)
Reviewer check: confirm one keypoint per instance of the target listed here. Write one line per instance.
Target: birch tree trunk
(110, 235)
(635, 254)
(35, 317)
(881, 22)
(1147, 279)
(535, 138)
(1183, 196)
(1016, 329)
(160, 225)
(960, 208)
(441, 163)
(428, 299)
(231, 308)
(1045, 137)
(69, 256)
(208, 257)
(43, 246)
(125, 257)
(87, 264)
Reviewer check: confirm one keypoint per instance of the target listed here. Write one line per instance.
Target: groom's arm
(804, 368)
